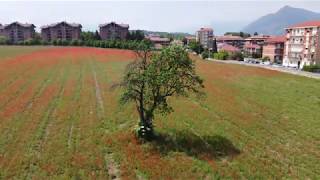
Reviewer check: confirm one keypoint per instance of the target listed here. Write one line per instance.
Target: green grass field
(59, 119)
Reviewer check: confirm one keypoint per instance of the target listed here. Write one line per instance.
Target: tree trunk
(145, 126)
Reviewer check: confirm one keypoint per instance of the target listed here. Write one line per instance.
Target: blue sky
(171, 16)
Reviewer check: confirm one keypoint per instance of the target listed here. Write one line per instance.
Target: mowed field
(60, 119)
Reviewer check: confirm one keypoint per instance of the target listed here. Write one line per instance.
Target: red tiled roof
(315, 23)
(190, 37)
(158, 39)
(276, 39)
(227, 47)
(258, 37)
(229, 38)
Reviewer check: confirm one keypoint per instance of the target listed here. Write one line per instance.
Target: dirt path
(98, 91)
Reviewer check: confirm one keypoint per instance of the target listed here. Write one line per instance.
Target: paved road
(281, 69)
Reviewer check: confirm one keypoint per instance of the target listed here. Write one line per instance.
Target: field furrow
(60, 119)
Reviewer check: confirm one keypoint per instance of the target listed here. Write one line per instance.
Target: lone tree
(153, 77)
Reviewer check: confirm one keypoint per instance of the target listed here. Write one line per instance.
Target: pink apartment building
(302, 44)
(274, 48)
(253, 45)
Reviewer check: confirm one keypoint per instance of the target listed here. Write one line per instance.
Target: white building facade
(302, 45)
(205, 37)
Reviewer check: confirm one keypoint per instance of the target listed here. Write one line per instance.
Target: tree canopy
(154, 77)
(196, 47)
(135, 35)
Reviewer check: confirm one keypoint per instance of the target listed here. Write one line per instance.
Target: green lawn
(59, 119)
(12, 51)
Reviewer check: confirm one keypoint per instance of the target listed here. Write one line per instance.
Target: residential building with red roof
(235, 41)
(205, 37)
(253, 45)
(274, 49)
(158, 42)
(112, 30)
(302, 46)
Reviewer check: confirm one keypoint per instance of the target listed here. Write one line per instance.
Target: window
(59, 34)
(20, 35)
(68, 34)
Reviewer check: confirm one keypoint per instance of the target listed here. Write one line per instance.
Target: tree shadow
(205, 147)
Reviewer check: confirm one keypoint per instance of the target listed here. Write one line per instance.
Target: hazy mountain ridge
(276, 22)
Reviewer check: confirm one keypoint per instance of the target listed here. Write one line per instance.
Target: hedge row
(312, 68)
(223, 55)
(121, 44)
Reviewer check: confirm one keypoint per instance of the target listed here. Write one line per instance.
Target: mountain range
(275, 23)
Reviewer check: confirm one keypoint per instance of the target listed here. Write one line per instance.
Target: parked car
(266, 63)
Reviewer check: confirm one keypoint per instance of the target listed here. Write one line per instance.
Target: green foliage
(196, 47)
(91, 39)
(65, 43)
(97, 36)
(236, 56)
(153, 78)
(265, 58)
(120, 44)
(312, 68)
(135, 35)
(75, 43)
(205, 54)
(3, 40)
(54, 42)
(30, 42)
(171, 36)
(241, 34)
(88, 36)
(222, 55)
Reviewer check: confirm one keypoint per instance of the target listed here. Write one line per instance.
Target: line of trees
(87, 38)
(222, 55)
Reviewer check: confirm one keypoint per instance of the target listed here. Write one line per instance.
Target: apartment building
(61, 31)
(274, 49)
(17, 32)
(254, 44)
(302, 44)
(235, 41)
(205, 37)
(113, 30)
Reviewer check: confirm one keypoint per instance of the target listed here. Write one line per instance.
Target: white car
(266, 63)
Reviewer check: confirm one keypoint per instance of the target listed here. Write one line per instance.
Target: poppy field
(60, 119)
